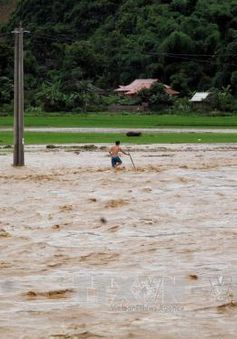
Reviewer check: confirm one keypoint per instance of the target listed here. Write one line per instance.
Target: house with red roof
(139, 84)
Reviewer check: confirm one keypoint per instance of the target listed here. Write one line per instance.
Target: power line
(58, 37)
(61, 37)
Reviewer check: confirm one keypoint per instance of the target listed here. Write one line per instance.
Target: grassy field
(127, 121)
(61, 138)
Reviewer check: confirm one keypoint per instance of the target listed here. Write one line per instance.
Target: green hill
(190, 44)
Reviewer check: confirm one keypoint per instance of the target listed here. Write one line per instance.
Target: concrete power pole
(18, 158)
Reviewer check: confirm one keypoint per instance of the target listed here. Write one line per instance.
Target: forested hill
(191, 44)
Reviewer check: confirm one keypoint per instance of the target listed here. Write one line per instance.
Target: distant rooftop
(200, 96)
(139, 84)
(136, 86)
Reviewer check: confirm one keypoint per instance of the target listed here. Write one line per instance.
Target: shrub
(222, 100)
(156, 97)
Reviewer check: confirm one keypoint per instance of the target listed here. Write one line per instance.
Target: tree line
(78, 49)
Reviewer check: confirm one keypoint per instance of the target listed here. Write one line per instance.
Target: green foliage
(223, 101)
(56, 97)
(178, 42)
(156, 96)
(51, 97)
(6, 90)
(190, 44)
(182, 106)
(6, 80)
(234, 81)
(115, 99)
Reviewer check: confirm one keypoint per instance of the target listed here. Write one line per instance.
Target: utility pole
(18, 158)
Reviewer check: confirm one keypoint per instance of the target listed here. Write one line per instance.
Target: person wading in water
(114, 152)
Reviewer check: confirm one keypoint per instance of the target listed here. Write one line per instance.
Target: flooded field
(91, 252)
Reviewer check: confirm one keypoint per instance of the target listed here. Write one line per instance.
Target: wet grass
(65, 138)
(123, 120)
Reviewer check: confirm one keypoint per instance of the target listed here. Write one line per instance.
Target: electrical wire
(197, 58)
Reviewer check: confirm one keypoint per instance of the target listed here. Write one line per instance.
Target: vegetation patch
(93, 138)
(78, 52)
(122, 120)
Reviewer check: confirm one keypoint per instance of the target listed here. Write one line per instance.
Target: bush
(222, 100)
(6, 90)
(55, 97)
(156, 97)
(182, 106)
(51, 98)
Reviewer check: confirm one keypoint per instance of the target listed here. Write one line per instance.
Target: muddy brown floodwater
(89, 252)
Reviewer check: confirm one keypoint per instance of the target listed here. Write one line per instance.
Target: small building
(169, 90)
(139, 84)
(200, 97)
(201, 100)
